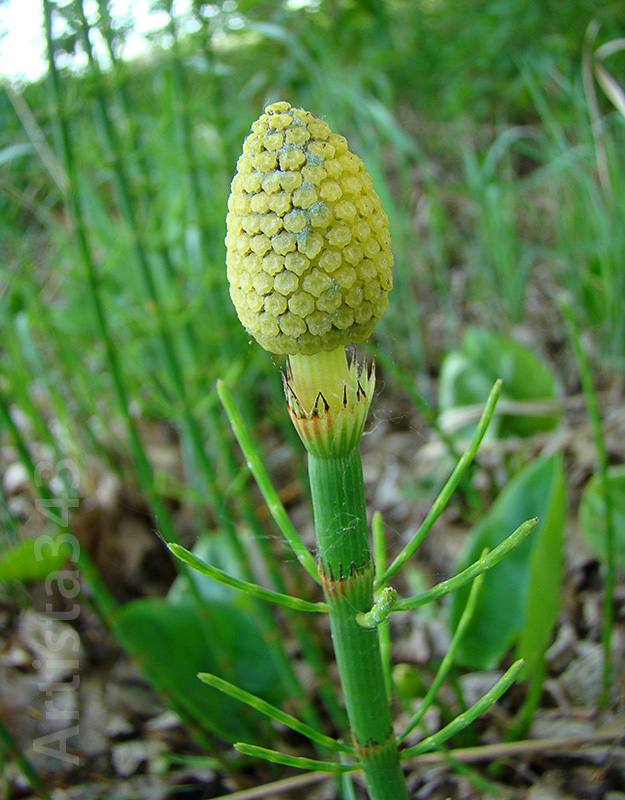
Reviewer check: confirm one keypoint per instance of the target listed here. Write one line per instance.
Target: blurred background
(494, 131)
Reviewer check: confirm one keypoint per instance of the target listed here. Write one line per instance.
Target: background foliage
(503, 177)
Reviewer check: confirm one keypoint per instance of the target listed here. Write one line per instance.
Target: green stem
(384, 631)
(347, 573)
(609, 581)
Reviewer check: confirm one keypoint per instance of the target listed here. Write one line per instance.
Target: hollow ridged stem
(347, 572)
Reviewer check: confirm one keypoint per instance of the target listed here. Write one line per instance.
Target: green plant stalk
(198, 213)
(144, 469)
(609, 581)
(103, 600)
(148, 195)
(384, 631)
(174, 367)
(347, 572)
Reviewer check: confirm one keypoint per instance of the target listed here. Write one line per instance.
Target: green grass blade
(273, 712)
(244, 586)
(609, 581)
(93, 285)
(469, 716)
(104, 600)
(477, 568)
(257, 468)
(292, 761)
(12, 748)
(448, 659)
(443, 498)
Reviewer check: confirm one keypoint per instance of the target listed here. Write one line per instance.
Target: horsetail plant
(309, 266)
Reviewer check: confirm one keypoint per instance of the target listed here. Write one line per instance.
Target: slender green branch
(448, 659)
(293, 761)
(477, 568)
(609, 584)
(384, 631)
(274, 713)
(469, 716)
(243, 586)
(379, 543)
(448, 489)
(257, 468)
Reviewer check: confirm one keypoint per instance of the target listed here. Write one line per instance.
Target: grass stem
(609, 582)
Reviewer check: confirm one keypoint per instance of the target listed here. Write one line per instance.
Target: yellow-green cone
(308, 246)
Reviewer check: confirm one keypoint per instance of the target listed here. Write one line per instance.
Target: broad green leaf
(545, 575)
(24, 561)
(592, 516)
(519, 601)
(468, 374)
(174, 642)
